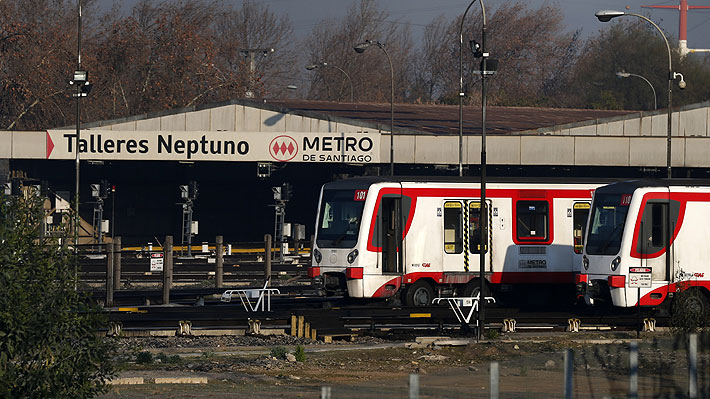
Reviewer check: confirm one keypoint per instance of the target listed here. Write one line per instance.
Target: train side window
(580, 214)
(474, 227)
(453, 239)
(652, 235)
(532, 220)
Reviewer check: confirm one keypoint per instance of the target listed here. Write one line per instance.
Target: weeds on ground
(279, 352)
(208, 354)
(144, 358)
(166, 359)
(492, 334)
(300, 353)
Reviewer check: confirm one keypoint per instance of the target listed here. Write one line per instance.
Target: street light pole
(325, 64)
(461, 92)
(484, 207)
(481, 318)
(360, 48)
(626, 75)
(606, 16)
(78, 132)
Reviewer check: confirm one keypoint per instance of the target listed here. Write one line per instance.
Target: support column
(167, 269)
(219, 271)
(117, 263)
(109, 275)
(267, 258)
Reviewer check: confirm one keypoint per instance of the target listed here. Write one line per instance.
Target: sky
(305, 14)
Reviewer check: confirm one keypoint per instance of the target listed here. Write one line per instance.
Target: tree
(533, 49)
(370, 72)
(634, 46)
(49, 347)
(254, 26)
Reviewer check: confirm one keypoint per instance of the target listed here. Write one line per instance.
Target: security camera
(681, 84)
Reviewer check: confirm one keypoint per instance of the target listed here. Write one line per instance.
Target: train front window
(607, 223)
(339, 220)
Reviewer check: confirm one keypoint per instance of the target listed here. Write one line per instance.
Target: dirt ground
(531, 366)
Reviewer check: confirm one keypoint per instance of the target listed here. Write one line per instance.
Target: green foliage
(208, 354)
(279, 352)
(167, 359)
(300, 353)
(634, 46)
(492, 334)
(144, 358)
(48, 342)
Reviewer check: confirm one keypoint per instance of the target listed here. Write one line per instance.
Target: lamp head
(622, 74)
(607, 15)
(475, 49)
(361, 47)
(681, 83)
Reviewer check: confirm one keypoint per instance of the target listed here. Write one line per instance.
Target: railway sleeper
(184, 328)
(114, 329)
(254, 327)
(649, 324)
(319, 328)
(508, 326)
(573, 325)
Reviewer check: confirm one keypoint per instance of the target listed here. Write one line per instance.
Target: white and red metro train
(632, 224)
(379, 237)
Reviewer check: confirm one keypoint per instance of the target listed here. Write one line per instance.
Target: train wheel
(419, 294)
(474, 287)
(690, 309)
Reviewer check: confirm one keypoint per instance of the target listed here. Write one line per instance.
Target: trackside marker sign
(215, 146)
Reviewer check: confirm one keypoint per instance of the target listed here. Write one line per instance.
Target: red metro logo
(283, 148)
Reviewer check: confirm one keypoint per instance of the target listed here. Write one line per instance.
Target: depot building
(238, 150)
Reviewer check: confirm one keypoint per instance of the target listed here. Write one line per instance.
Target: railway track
(331, 318)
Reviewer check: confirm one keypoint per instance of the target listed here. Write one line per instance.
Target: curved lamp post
(622, 75)
(360, 48)
(325, 64)
(484, 212)
(606, 16)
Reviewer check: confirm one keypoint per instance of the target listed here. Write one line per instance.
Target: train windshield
(339, 219)
(607, 223)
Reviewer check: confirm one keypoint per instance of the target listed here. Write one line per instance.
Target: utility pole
(188, 193)
(683, 8)
(251, 53)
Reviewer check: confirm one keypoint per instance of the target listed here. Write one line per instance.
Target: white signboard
(640, 277)
(156, 262)
(313, 147)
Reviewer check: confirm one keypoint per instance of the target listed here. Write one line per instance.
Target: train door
(580, 214)
(462, 235)
(389, 228)
(654, 232)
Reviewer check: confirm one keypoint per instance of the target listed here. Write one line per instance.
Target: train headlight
(317, 255)
(585, 262)
(615, 263)
(352, 256)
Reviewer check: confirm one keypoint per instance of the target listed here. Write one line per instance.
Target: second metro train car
(418, 238)
(632, 224)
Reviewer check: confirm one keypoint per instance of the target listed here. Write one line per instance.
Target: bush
(279, 352)
(144, 358)
(49, 346)
(300, 353)
(174, 359)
